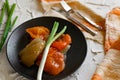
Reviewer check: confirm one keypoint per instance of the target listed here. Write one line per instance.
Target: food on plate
(62, 42)
(109, 68)
(29, 54)
(33, 51)
(38, 32)
(54, 62)
(52, 37)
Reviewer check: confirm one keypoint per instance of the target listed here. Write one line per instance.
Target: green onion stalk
(2, 14)
(8, 7)
(7, 26)
(53, 36)
(13, 23)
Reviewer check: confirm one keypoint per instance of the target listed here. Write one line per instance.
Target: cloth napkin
(109, 68)
(85, 11)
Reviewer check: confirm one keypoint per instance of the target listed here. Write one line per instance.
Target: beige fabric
(76, 5)
(28, 9)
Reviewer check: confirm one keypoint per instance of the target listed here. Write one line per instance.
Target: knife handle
(93, 33)
(88, 20)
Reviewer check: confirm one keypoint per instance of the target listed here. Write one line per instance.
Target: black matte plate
(19, 38)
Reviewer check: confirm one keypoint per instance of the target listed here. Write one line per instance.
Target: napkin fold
(85, 11)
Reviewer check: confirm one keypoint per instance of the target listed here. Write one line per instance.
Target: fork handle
(93, 33)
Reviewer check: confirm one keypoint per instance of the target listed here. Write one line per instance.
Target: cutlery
(66, 14)
(68, 9)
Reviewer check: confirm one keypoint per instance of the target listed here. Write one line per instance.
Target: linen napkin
(109, 68)
(85, 11)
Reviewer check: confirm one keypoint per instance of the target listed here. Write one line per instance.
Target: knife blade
(69, 10)
(66, 14)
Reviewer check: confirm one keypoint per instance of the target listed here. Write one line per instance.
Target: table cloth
(28, 9)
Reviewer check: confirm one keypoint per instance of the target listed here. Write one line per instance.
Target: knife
(69, 10)
(67, 15)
